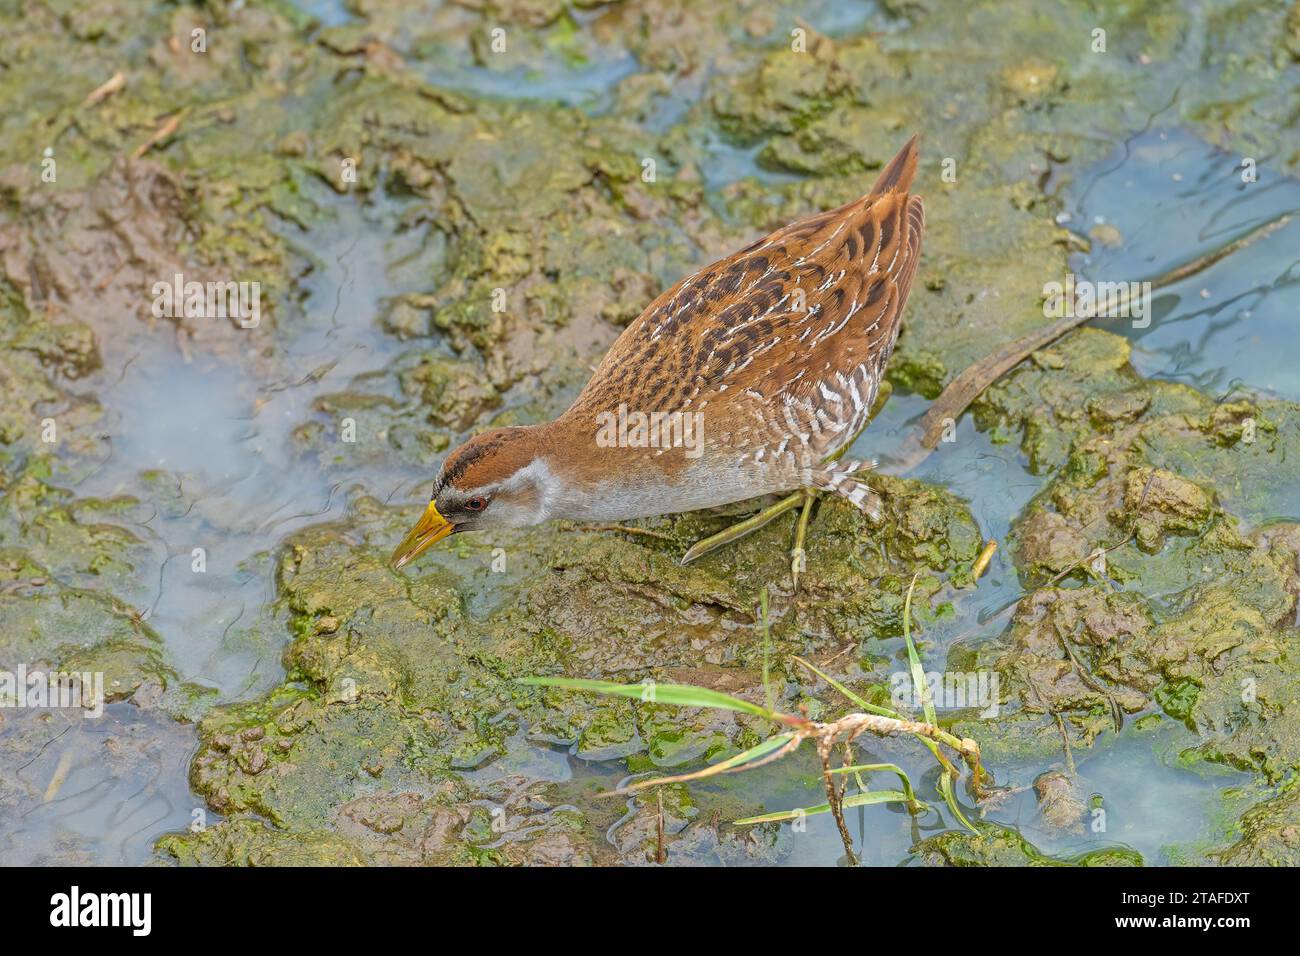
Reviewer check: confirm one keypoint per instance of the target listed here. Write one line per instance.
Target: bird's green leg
(803, 498)
(742, 528)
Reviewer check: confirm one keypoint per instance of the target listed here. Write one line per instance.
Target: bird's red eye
(476, 504)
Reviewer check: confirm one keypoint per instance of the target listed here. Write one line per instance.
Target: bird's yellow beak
(430, 529)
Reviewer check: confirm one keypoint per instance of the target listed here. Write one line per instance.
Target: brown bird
(744, 379)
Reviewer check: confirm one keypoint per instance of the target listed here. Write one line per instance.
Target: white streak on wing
(843, 322)
(832, 278)
(770, 270)
(895, 259)
(853, 391)
(804, 258)
(883, 309)
(875, 258)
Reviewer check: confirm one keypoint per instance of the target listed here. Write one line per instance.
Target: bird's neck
(599, 472)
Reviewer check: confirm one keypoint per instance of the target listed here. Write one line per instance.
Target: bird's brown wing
(802, 319)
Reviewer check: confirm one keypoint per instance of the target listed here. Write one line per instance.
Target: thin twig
(629, 529)
(106, 89)
(835, 801)
(168, 127)
(661, 852)
(1065, 742)
(1116, 713)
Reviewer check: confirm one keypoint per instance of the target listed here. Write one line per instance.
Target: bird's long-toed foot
(834, 478)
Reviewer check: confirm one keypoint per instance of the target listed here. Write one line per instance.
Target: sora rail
(775, 352)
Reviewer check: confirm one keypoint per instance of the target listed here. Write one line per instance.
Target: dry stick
(161, 133)
(983, 560)
(661, 852)
(65, 118)
(835, 801)
(838, 654)
(626, 528)
(1116, 714)
(1065, 742)
(60, 777)
(105, 89)
(970, 384)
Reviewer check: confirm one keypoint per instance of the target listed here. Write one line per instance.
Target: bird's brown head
(496, 479)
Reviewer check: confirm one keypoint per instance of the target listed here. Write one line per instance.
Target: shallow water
(221, 436)
(84, 809)
(1174, 198)
(217, 434)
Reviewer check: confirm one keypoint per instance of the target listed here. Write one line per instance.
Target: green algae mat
(428, 219)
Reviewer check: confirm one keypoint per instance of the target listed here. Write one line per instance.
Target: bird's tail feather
(899, 172)
(839, 479)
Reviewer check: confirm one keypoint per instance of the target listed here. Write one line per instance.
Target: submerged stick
(169, 126)
(982, 562)
(970, 384)
(106, 89)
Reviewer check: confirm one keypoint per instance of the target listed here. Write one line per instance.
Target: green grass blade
(913, 804)
(767, 654)
(854, 800)
(867, 707)
(740, 761)
(914, 659)
(679, 695)
(927, 705)
(950, 798)
(768, 746)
